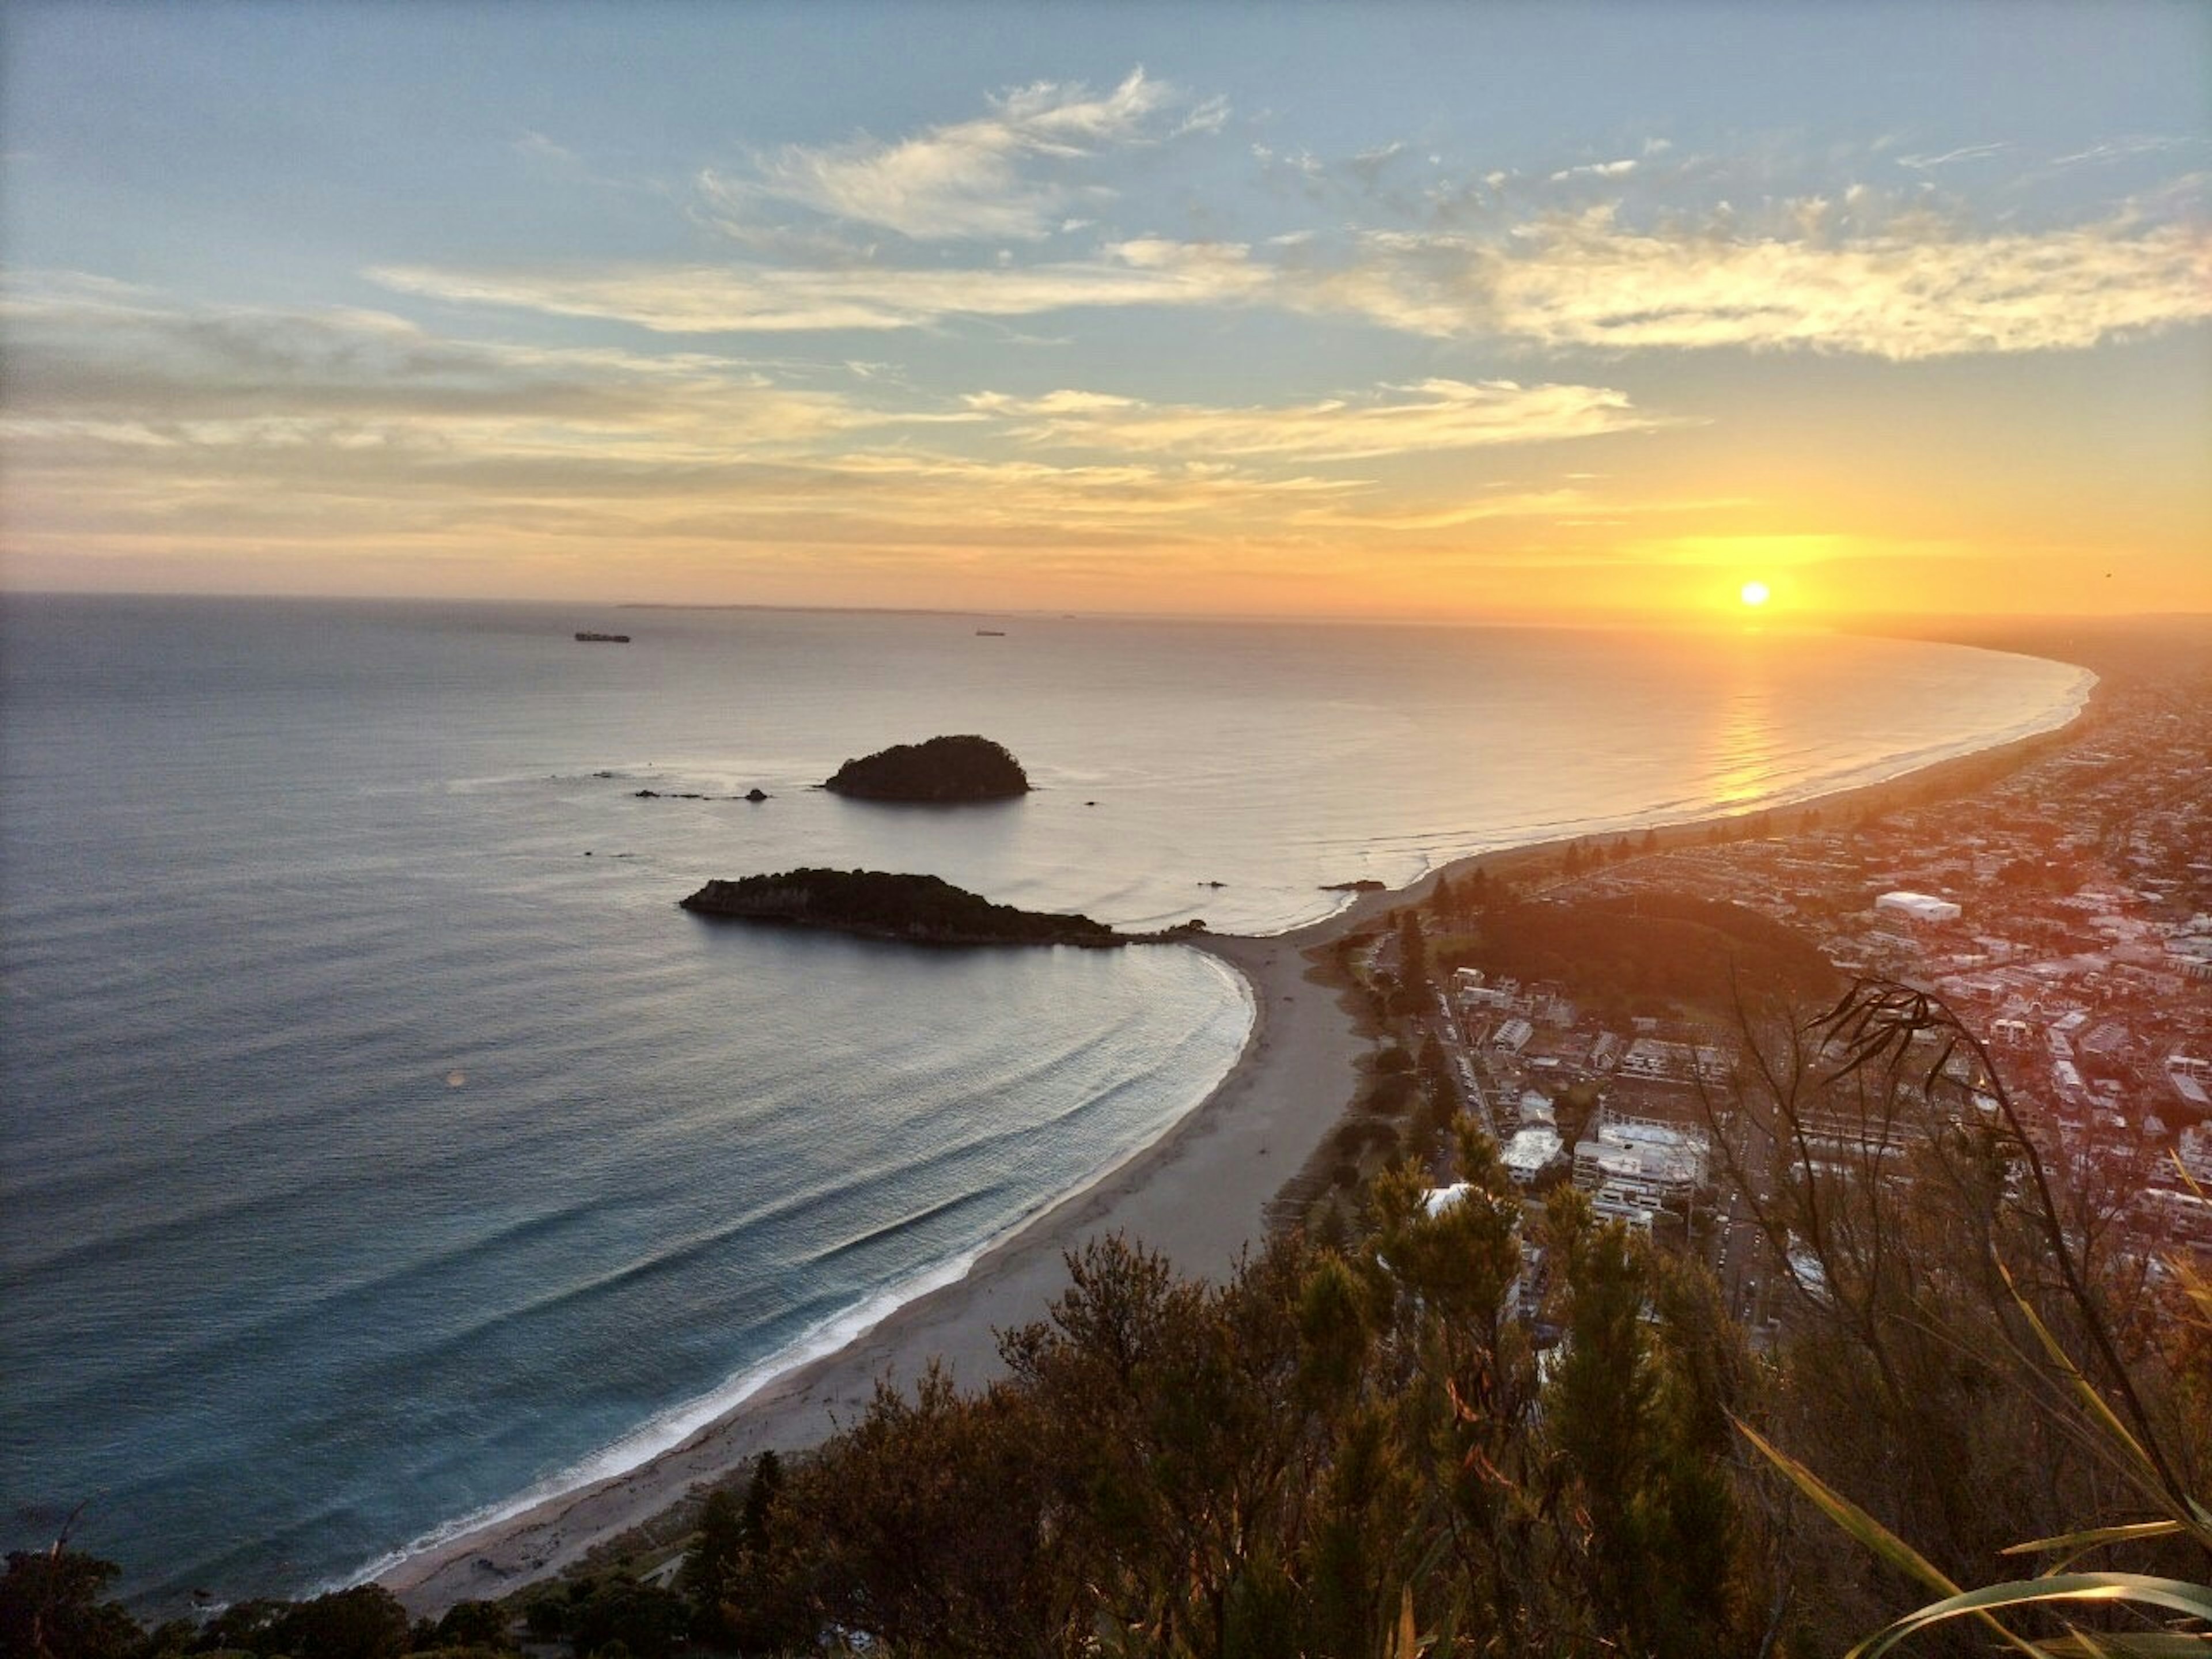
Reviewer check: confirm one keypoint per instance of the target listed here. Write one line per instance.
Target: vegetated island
(916, 909)
(941, 771)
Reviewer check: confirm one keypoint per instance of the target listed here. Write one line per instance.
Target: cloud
(755, 298)
(1436, 415)
(2125, 149)
(135, 421)
(1901, 286)
(970, 178)
(1914, 290)
(99, 352)
(1964, 153)
(1619, 169)
(538, 147)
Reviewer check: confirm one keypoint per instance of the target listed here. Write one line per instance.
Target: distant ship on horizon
(589, 638)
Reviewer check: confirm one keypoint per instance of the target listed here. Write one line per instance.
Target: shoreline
(1198, 1195)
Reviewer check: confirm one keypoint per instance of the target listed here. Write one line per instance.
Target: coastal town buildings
(2062, 909)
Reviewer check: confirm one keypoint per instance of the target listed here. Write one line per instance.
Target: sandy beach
(1199, 1195)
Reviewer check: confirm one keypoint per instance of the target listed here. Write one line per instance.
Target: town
(2059, 910)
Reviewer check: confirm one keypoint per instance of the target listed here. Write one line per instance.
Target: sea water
(382, 1143)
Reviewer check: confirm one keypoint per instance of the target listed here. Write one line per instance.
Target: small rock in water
(757, 794)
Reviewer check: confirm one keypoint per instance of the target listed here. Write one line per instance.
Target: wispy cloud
(1914, 290)
(986, 177)
(1434, 415)
(2127, 150)
(756, 298)
(1849, 275)
(538, 147)
(1950, 157)
(102, 352)
(151, 423)
(1619, 169)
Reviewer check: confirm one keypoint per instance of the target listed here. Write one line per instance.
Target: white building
(1918, 908)
(1531, 1153)
(1635, 1163)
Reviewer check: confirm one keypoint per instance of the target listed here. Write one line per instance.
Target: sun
(1754, 593)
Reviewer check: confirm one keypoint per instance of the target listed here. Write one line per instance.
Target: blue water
(374, 1155)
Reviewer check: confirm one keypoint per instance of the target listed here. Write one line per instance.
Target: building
(1917, 907)
(1635, 1164)
(1533, 1153)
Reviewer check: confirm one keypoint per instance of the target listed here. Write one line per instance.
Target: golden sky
(1408, 313)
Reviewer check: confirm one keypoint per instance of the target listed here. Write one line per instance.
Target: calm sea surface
(374, 1156)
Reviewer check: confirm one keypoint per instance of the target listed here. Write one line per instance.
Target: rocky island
(941, 771)
(917, 909)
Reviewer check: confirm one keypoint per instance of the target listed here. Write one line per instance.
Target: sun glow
(1754, 593)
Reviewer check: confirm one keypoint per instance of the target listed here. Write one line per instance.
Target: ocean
(383, 1146)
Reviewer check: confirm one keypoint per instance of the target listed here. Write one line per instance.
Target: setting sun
(1754, 593)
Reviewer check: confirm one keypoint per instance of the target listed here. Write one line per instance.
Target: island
(941, 771)
(917, 909)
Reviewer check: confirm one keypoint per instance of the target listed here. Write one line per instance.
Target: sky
(1389, 310)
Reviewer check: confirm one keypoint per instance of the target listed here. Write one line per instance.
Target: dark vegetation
(942, 770)
(922, 910)
(1349, 1448)
(51, 1607)
(1643, 946)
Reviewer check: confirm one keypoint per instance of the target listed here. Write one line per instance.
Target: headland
(907, 910)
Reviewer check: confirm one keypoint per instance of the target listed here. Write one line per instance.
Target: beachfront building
(1632, 1166)
(1533, 1153)
(1473, 991)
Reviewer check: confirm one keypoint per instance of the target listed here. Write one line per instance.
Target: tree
(1412, 949)
(620, 1613)
(365, 1622)
(51, 1608)
(475, 1625)
(738, 1598)
(1478, 889)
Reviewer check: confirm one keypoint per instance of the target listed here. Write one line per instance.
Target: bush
(365, 1622)
(647, 1620)
(475, 1625)
(1389, 1094)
